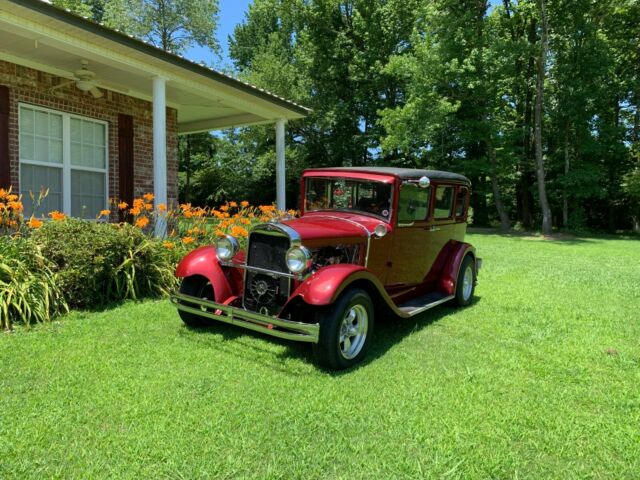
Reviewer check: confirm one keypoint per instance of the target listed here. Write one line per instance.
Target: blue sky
(231, 13)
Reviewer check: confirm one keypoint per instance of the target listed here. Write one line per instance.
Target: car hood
(316, 228)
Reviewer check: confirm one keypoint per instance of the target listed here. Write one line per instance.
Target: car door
(410, 252)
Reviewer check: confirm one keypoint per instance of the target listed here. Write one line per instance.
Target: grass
(539, 378)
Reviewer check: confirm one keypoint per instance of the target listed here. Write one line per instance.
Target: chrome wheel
(353, 331)
(467, 283)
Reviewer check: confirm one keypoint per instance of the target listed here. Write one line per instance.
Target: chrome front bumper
(276, 327)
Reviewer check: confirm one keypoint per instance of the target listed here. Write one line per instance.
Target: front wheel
(198, 287)
(466, 284)
(346, 329)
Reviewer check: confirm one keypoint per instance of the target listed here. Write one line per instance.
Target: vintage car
(368, 242)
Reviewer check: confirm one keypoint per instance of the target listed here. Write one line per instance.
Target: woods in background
(536, 101)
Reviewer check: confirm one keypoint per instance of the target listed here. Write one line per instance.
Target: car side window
(443, 202)
(413, 204)
(461, 201)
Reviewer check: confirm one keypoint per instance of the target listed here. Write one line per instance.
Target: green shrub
(28, 288)
(99, 263)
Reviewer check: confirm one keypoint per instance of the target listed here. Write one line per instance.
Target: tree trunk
(525, 198)
(505, 224)
(636, 118)
(542, 191)
(565, 194)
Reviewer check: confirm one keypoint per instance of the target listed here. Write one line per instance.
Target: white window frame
(66, 166)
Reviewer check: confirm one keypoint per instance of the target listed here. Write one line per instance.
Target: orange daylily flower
(14, 205)
(142, 222)
(168, 245)
(57, 216)
(187, 240)
(104, 213)
(239, 232)
(162, 207)
(148, 197)
(123, 205)
(244, 203)
(34, 223)
(233, 204)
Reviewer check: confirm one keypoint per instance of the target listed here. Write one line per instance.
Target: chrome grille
(263, 292)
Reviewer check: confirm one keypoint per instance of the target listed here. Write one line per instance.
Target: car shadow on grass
(389, 332)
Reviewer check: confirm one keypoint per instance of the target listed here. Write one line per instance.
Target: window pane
(55, 151)
(413, 203)
(87, 132)
(88, 195)
(99, 132)
(443, 201)
(87, 139)
(42, 124)
(76, 130)
(42, 149)
(27, 146)
(40, 136)
(342, 194)
(461, 202)
(27, 120)
(33, 179)
(55, 126)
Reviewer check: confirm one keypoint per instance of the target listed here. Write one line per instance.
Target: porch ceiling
(37, 35)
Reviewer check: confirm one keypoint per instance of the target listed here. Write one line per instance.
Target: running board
(423, 303)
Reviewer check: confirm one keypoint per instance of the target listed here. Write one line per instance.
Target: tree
(173, 26)
(540, 78)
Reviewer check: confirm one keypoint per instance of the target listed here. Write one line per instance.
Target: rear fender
(204, 262)
(455, 253)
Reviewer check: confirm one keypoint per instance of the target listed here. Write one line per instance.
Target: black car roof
(402, 173)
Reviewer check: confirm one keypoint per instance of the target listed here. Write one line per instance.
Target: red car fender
(456, 251)
(324, 286)
(203, 261)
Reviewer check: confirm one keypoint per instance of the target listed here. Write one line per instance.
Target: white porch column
(159, 149)
(280, 166)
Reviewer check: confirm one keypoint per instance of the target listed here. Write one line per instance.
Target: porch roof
(38, 35)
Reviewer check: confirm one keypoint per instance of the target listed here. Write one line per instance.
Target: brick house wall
(33, 87)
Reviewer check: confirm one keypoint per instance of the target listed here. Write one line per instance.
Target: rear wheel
(466, 284)
(198, 287)
(346, 329)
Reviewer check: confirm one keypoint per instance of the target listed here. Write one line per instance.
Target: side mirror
(424, 182)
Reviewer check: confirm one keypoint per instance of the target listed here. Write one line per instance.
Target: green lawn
(540, 378)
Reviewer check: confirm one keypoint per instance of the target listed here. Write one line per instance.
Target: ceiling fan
(84, 80)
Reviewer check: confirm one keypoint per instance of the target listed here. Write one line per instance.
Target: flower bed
(87, 263)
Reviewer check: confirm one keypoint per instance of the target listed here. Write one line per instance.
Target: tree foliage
(173, 26)
(447, 84)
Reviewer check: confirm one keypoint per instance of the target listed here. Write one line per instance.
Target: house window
(67, 155)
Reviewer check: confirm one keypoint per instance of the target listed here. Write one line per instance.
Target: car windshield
(364, 196)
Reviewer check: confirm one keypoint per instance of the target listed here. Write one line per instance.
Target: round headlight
(226, 247)
(299, 259)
